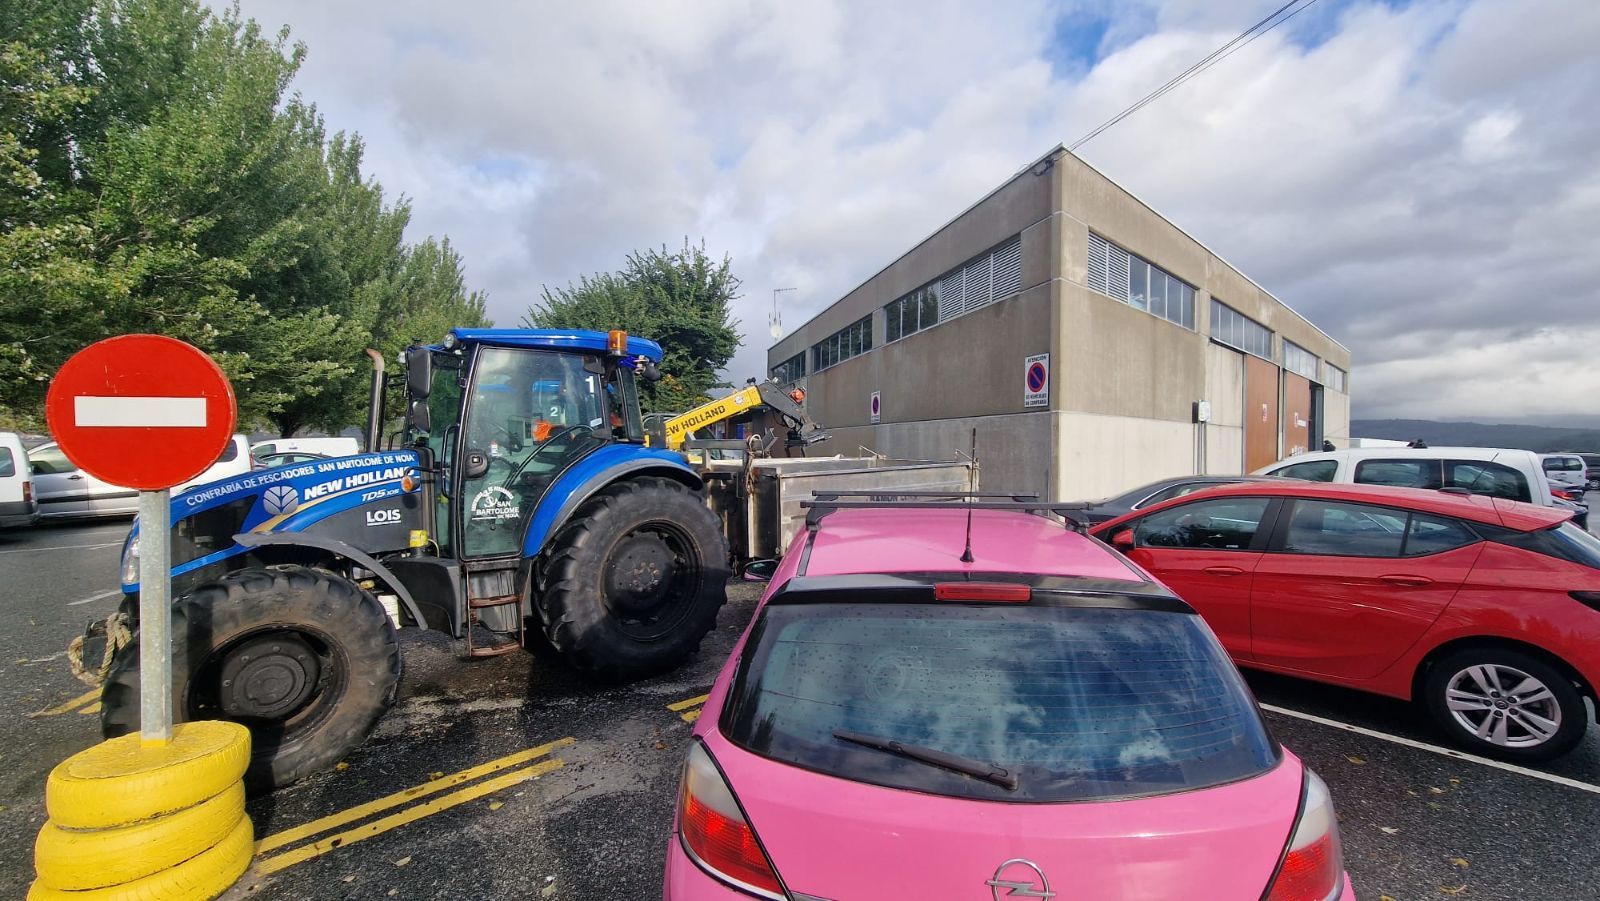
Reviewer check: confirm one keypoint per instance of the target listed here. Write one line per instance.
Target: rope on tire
(114, 633)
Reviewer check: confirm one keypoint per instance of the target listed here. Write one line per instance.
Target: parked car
(283, 458)
(17, 504)
(1148, 495)
(1580, 511)
(1591, 463)
(1484, 611)
(1496, 472)
(898, 723)
(1565, 471)
(321, 447)
(67, 492)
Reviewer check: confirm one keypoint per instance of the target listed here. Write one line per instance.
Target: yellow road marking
(92, 694)
(689, 716)
(687, 702)
(335, 820)
(91, 709)
(410, 814)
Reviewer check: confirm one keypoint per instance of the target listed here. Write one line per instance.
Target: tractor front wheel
(305, 659)
(634, 580)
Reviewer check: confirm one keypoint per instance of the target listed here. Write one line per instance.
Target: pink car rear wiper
(967, 766)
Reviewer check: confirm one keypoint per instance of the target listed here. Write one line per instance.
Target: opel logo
(1020, 878)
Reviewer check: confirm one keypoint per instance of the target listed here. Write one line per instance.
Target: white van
(325, 447)
(17, 504)
(1496, 472)
(1565, 470)
(67, 492)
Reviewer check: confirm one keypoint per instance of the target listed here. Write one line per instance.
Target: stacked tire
(130, 821)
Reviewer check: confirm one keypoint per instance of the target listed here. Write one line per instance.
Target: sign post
(145, 412)
(155, 618)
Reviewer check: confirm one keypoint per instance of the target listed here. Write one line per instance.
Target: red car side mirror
(1123, 540)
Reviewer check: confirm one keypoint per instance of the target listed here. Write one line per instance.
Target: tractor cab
(502, 413)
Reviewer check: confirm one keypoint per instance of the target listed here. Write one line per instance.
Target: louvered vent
(1008, 269)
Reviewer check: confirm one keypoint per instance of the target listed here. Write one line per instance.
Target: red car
(1483, 610)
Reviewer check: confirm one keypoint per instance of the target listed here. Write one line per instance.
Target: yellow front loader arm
(769, 393)
(679, 427)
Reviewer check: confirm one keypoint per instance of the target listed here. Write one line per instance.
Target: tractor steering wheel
(548, 443)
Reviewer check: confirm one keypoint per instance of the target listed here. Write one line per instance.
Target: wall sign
(1036, 381)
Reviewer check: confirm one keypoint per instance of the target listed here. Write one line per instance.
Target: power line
(1239, 42)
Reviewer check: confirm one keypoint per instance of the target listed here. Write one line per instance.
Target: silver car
(66, 492)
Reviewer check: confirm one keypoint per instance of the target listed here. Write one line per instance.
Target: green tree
(678, 298)
(157, 174)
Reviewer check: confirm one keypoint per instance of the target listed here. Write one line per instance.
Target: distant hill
(1476, 434)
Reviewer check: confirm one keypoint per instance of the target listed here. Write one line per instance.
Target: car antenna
(972, 488)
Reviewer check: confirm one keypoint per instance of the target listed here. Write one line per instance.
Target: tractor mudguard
(593, 473)
(333, 546)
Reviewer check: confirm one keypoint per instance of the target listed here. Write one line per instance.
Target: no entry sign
(142, 411)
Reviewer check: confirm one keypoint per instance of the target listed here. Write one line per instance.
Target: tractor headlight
(130, 561)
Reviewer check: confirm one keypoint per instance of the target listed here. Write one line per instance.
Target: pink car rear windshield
(1078, 703)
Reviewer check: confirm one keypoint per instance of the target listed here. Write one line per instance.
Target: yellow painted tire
(75, 860)
(122, 781)
(199, 878)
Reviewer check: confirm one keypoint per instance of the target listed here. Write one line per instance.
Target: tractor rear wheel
(635, 579)
(305, 659)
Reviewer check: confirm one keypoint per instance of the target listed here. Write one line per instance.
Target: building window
(852, 340)
(1298, 360)
(982, 280)
(1338, 379)
(1139, 283)
(790, 370)
(1235, 329)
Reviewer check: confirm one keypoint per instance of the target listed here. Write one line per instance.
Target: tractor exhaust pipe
(375, 406)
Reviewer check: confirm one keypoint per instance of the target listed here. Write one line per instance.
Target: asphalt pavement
(512, 777)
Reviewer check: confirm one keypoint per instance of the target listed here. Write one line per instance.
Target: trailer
(758, 499)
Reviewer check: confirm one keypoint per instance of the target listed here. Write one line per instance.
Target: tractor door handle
(1415, 581)
(1223, 571)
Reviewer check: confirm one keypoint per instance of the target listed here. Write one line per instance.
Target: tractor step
(496, 648)
(501, 601)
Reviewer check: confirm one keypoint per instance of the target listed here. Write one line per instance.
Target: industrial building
(1092, 345)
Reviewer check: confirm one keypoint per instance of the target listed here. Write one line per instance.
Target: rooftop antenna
(774, 318)
(972, 488)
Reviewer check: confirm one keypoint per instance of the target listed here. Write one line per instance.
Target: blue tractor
(520, 495)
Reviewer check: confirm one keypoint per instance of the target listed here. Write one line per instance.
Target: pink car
(913, 714)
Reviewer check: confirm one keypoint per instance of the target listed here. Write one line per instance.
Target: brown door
(1260, 413)
(1296, 414)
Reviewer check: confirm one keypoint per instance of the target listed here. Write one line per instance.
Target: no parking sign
(875, 407)
(1036, 381)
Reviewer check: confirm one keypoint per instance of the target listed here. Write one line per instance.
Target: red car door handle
(1223, 571)
(1406, 580)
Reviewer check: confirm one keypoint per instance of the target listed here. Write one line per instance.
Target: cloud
(1421, 179)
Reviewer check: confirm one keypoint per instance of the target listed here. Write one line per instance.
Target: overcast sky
(1420, 179)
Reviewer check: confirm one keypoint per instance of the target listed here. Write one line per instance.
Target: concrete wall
(1102, 455)
(941, 372)
(1336, 417)
(1224, 435)
(1013, 449)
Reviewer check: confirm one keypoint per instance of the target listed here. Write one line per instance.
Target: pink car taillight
(716, 833)
(1313, 868)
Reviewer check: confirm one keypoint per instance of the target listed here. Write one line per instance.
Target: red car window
(1221, 524)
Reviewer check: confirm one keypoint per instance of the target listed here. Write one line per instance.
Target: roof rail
(825, 502)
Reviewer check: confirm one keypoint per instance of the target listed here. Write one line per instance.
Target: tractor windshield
(532, 413)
